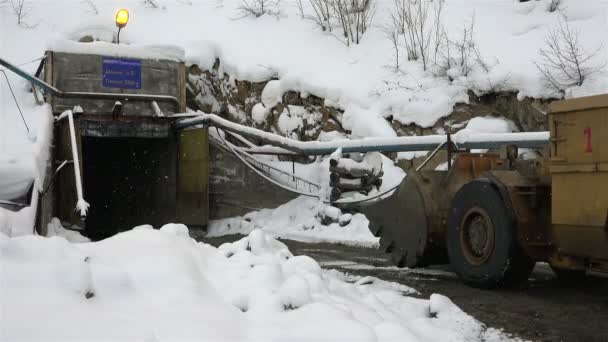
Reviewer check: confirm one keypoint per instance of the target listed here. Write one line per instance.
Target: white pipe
(81, 204)
(462, 139)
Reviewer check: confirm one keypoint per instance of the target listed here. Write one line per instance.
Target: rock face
(527, 114)
(304, 116)
(296, 115)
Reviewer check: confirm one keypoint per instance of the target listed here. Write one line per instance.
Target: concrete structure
(136, 168)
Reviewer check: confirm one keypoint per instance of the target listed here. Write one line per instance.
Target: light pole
(122, 18)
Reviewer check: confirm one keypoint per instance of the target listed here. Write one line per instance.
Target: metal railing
(36, 82)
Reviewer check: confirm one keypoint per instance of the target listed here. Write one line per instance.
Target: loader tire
(482, 245)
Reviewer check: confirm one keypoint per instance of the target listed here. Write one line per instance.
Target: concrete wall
(71, 72)
(235, 190)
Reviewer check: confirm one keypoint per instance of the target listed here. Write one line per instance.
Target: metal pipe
(81, 204)
(394, 144)
(430, 156)
(102, 96)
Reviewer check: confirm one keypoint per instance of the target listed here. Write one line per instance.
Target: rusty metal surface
(579, 104)
(579, 159)
(414, 219)
(530, 201)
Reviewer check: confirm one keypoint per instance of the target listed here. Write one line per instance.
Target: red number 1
(587, 133)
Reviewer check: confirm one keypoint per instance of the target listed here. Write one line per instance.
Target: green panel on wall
(193, 177)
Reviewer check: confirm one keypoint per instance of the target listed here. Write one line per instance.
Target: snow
(259, 113)
(23, 161)
(54, 228)
(272, 94)
(166, 286)
(156, 52)
(16, 177)
(302, 58)
(294, 54)
(290, 121)
(159, 285)
(490, 125)
(299, 220)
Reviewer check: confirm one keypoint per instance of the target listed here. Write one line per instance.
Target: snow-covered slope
(357, 78)
(151, 285)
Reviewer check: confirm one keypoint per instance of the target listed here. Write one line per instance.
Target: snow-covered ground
(161, 285)
(300, 219)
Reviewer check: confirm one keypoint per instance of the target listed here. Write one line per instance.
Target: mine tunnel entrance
(128, 182)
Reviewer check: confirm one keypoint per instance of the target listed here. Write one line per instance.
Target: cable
(15, 98)
(297, 191)
(310, 183)
(25, 63)
(32, 61)
(260, 173)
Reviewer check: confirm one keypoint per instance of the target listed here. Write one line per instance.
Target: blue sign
(121, 73)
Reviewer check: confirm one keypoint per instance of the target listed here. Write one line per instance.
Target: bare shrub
(257, 8)
(92, 6)
(456, 57)
(554, 5)
(151, 3)
(21, 9)
(354, 17)
(393, 36)
(563, 61)
(321, 13)
(418, 23)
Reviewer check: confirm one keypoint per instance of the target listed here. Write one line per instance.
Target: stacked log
(347, 175)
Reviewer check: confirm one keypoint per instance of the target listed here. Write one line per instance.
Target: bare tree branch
(563, 61)
(92, 6)
(554, 5)
(21, 9)
(321, 14)
(354, 17)
(258, 8)
(152, 3)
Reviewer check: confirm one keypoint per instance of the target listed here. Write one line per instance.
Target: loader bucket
(403, 221)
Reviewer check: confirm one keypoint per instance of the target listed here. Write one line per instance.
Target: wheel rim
(477, 236)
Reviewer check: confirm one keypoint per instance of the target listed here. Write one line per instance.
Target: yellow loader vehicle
(492, 216)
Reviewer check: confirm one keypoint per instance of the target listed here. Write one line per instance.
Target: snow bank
(23, 161)
(299, 220)
(54, 228)
(153, 285)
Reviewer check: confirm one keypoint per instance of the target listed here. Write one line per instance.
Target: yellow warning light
(122, 18)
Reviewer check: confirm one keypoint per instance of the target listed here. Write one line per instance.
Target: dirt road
(547, 309)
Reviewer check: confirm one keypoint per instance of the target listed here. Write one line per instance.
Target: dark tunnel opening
(128, 182)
